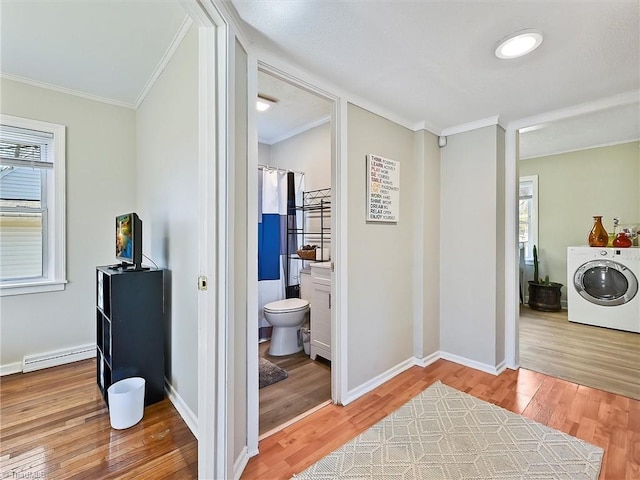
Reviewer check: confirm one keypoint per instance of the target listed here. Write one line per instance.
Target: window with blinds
(528, 214)
(26, 161)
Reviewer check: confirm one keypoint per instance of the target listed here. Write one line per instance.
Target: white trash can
(305, 333)
(126, 402)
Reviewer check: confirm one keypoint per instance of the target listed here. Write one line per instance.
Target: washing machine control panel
(627, 253)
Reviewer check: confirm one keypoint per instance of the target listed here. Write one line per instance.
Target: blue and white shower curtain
(279, 192)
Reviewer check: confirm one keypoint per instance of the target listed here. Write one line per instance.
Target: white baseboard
(467, 362)
(240, 463)
(421, 362)
(377, 381)
(183, 409)
(428, 360)
(39, 361)
(501, 367)
(10, 368)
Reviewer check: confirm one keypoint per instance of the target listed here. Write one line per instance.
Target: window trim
(56, 261)
(534, 214)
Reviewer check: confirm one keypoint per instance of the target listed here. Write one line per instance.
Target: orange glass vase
(598, 236)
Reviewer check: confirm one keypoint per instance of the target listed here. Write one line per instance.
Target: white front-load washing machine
(602, 287)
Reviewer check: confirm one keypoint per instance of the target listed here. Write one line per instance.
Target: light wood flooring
(603, 419)
(594, 356)
(307, 386)
(55, 425)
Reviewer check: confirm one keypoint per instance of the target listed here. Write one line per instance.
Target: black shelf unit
(315, 230)
(130, 329)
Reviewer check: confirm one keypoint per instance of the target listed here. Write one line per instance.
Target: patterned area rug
(446, 434)
(270, 373)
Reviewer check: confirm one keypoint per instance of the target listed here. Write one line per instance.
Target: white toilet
(286, 317)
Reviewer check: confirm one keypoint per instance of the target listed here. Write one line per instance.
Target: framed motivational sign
(383, 189)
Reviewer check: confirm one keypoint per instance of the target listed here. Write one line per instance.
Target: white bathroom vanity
(321, 310)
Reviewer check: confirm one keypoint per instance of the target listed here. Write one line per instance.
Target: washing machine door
(606, 283)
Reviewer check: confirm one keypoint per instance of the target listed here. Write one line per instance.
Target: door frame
(213, 351)
(512, 312)
(260, 60)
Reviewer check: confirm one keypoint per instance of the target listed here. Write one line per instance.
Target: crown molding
(621, 99)
(467, 127)
(591, 147)
(166, 58)
(424, 125)
(162, 64)
(276, 65)
(296, 131)
(67, 91)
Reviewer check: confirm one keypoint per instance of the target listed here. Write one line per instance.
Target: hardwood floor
(604, 419)
(55, 425)
(307, 386)
(594, 356)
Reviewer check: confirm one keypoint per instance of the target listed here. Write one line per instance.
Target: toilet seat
(288, 305)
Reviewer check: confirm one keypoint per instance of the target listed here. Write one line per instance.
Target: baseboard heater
(58, 357)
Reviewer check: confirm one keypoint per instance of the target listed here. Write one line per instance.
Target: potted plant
(543, 294)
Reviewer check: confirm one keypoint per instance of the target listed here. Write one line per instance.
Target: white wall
(427, 208)
(380, 256)
(572, 187)
(101, 180)
(264, 154)
(238, 398)
(469, 256)
(167, 202)
(308, 152)
(501, 280)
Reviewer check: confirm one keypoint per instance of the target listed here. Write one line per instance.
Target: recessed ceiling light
(264, 103)
(518, 44)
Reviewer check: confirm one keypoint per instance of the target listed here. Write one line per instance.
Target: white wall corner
(240, 463)
(181, 406)
(10, 368)
(418, 247)
(428, 360)
(501, 367)
(423, 125)
(164, 61)
(375, 382)
(467, 362)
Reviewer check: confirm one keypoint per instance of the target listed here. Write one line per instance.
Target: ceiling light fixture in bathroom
(518, 44)
(264, 103)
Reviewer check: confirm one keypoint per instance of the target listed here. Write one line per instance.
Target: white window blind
(25, 159)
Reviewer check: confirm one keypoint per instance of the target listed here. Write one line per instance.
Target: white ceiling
(610, 126)
(434, 62)
(430, 63)
(295, 110)
(105, 49)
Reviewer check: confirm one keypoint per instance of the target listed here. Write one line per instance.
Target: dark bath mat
(270, 373)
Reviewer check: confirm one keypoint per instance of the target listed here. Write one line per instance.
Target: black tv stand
(128, 267)
(130, 329)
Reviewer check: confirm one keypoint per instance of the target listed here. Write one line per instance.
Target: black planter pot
(545, 298)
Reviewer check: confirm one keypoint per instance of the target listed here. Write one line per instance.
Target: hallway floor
(307, 386)
(592, 356)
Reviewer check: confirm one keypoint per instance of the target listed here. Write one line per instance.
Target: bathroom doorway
(296, 156)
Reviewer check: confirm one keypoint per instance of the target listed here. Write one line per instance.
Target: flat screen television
(129, 241)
